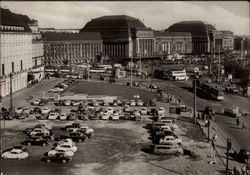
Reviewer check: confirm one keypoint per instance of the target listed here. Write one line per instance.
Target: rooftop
(9, 18)
(113, 22)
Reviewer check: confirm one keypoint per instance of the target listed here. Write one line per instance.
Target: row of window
(12, 67)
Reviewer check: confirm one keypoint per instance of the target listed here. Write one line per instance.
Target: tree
(244, 82)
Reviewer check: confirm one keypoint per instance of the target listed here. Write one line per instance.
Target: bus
(97, 70)
(179, 75)
(213, 91)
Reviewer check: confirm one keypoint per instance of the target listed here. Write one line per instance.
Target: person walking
(243, 125)
(237, 121)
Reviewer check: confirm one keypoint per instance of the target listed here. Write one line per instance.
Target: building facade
(123, 36)
(173, 43)
(205, 38)
(16, 51)
(71, 48)
(37, 72)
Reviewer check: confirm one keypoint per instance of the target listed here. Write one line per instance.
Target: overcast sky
(232, 15)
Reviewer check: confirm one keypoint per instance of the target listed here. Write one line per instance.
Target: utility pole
(11, 104)
(194, 83)
(219, 65)
(229, 146)
(131, 71)
(208, 130)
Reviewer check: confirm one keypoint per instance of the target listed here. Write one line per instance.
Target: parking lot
(115, 146)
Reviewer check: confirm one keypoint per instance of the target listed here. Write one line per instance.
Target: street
(227, 125)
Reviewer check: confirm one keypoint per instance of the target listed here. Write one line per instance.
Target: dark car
(152, 103)
(242, 156)
(37, 110)
(58, 157)
(73, 125)
(59, 103)
(42, 117)
(21, 116)
(36, 140)
(72, 116)
(75, 136)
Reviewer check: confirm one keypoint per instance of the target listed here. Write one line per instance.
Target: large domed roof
(198, 29)
(113, 22)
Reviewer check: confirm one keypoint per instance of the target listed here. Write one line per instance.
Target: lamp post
(131, 71)
(11, 104)
(88, 69)
(194, 113)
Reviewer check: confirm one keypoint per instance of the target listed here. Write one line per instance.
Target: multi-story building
(205, 38)
(71, 48)
(222, 40)
(123, 36)
(37, 72)
(173, 43)
(16, 51)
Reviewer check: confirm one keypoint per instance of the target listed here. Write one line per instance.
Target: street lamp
(11, 104)
(194, 113)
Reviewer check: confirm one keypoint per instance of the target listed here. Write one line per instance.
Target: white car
(63, 116)
(110, 111)
(15, 154)
(127, 109)
(19, 110)
(132, 103)
(144, 111)
(37, 102)
(67, 146)
(139, 103)
(165, 128)
(170, 140)
(53, 116)
(161, 111)
(39, 130)
(60, 150)
(76, 103)
(26, 111)
(68, 141)
(87, 129)
(105, 116)
(115, 116)
(67, 103)
(46, 110)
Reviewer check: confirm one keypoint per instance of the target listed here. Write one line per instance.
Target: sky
(230, 15)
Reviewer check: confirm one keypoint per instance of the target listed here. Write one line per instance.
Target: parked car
(152, 103)
(67, 146)
(170, 140)
(139, 102)
(60, 150)
(53, 116)
(115, 116)
(75, 136)
(27, 111)
(105, 115)
(21, 116)
(67, 103)
(72, 116)
(36, 102)
(15, 154)
(167, 149)
(242, 156)
(37, 110)
(153, 86)
(36, 140)
(42, 117)
(58, 157)
(63, 116)
(132, 103)
(19, 110)
(144, 111)
(46, 110)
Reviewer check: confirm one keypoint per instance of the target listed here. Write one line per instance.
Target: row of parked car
(42, 135)
(164, 138)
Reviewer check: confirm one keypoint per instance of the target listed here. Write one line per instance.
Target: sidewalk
(220, 144)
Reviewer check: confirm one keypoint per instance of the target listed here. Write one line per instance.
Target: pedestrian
(206, 122)
(234, 171)
(237, 121)
(243, 125)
